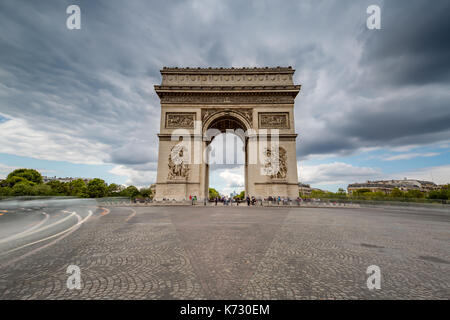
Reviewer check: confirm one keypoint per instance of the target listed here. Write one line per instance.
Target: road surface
(222, 252)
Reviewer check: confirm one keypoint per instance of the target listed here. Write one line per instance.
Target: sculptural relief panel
(273, 120)
(178, 163)
(180, 120)
(275, 163)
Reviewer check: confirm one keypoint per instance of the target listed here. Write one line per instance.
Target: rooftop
(245, 70)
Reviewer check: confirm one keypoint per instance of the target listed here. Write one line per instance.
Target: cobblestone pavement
(240, 253)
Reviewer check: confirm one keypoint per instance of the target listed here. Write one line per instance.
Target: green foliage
(28, 182)
(130, 192)
(396, 193)
(11, 181)
(5, 191)
(78, 188)
(113, 190)
(41, 190)
(97, 188)
(58, 188)
(23, 188)
(213, 193)
(242, 195)
(27, 174)
(414, 194)
(442, 194)
(145, 192)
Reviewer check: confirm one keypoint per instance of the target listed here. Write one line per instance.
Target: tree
(213, 193)
(397, 193)
(145, 192)
(414, 194)
(97, 188)
(78, 188)
(130, 192)
(113, 189)
(11, 181)
(22, 189)
(58, 187)
(41, 190)
(242, 195)
(441, 194)
(5, 191)
(28, 174)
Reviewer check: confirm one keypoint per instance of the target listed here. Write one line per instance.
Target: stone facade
(255, 100)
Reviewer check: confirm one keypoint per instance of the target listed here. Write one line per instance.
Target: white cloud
(437, 174)
(412, 155)
(335, 173)
(19, 138)
(138, 178)
(343, 173)
(232, 178)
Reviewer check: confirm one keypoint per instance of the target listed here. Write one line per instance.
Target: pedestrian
(215, 200)
(248, 201)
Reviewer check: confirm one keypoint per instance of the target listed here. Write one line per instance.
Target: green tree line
(28, 182)
(396, 194)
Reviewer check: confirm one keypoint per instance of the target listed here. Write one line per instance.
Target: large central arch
(196, 104)
(226, 121)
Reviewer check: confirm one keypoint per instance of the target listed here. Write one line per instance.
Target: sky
(374, 104)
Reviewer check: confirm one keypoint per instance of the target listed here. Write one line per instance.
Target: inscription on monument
(180, 120)
(272, 120)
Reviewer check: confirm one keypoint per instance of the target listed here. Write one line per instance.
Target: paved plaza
(238, 253)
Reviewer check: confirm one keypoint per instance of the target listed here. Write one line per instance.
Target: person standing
(215, 201)
(248, 201)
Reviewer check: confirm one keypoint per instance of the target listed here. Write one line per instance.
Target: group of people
(227, 201)
(249, 200)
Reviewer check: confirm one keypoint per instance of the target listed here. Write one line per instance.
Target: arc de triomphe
(197, 104)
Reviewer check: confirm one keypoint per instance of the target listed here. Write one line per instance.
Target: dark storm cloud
(413, 46)
(360, 88)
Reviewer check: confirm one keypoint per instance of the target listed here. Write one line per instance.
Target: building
(304, 189)
(386, 186)
(46, 179)
(196, 101)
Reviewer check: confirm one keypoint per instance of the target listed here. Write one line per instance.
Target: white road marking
(67, 231)
(23, 233)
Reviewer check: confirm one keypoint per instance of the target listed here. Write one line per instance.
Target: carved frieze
(273, 120)
(180, 120)
(227, 76)
(228, 99)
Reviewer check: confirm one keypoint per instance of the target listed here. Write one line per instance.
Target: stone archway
(220, 122)
(251, 100)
